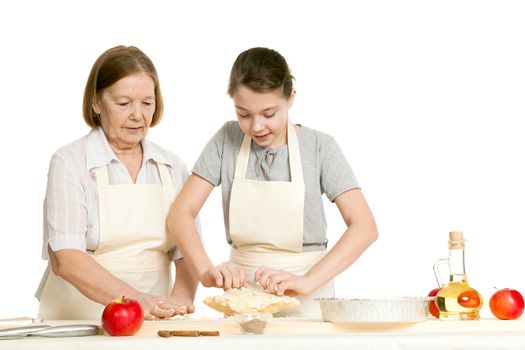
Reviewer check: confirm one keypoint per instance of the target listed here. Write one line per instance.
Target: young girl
(273, 174)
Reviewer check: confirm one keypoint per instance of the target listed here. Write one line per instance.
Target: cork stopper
(456, 240)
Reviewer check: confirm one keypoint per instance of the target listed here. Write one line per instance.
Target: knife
(76, 330)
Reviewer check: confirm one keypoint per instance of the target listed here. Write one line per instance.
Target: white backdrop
(425, 98)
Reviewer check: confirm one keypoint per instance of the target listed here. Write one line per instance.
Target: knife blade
(18, 332)
(75, 330)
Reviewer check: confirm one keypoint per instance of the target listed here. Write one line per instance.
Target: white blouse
(71, 208)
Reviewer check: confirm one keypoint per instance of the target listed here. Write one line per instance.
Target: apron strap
(102, 175)
(165, 176)
(242, 158)
(294, 156)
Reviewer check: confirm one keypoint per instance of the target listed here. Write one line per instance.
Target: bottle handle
(437, 271)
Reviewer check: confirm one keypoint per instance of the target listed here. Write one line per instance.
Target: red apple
(122, 317)
(432, 307)
(507, 304)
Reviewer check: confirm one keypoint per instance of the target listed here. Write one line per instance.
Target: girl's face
(263, 115)
(126, 109)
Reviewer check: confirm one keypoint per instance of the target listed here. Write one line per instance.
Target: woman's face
(263, 115)
(126, 109)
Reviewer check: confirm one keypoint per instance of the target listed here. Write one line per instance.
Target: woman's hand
(281, 282)
(178, 304)
(151, 306)
(226, 275)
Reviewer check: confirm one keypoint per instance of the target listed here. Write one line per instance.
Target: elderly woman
(107, 199)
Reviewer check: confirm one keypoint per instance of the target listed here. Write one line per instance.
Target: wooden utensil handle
(185, 333)
(209, 333)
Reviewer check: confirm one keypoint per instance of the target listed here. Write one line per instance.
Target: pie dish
(381, 310)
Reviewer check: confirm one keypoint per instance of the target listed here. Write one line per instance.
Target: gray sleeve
(208, 165)
(336, 174)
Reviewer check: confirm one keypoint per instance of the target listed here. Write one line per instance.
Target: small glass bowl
(254, 322)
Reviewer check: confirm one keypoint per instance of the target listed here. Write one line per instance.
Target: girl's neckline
(283, 147)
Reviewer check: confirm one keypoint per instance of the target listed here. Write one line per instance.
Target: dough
(246, 300)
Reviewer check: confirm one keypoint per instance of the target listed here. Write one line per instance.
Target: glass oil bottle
(456, 300)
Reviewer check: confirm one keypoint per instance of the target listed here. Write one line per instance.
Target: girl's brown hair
(113, 65)
(262, 70)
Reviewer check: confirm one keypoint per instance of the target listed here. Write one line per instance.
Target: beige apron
(266, 223)
(133, 246)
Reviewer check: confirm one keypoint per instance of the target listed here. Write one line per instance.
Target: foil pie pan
(395, 309)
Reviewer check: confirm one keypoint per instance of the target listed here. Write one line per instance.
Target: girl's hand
(281, 282)
(226, 275)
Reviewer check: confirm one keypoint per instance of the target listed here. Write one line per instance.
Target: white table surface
(299, 334)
